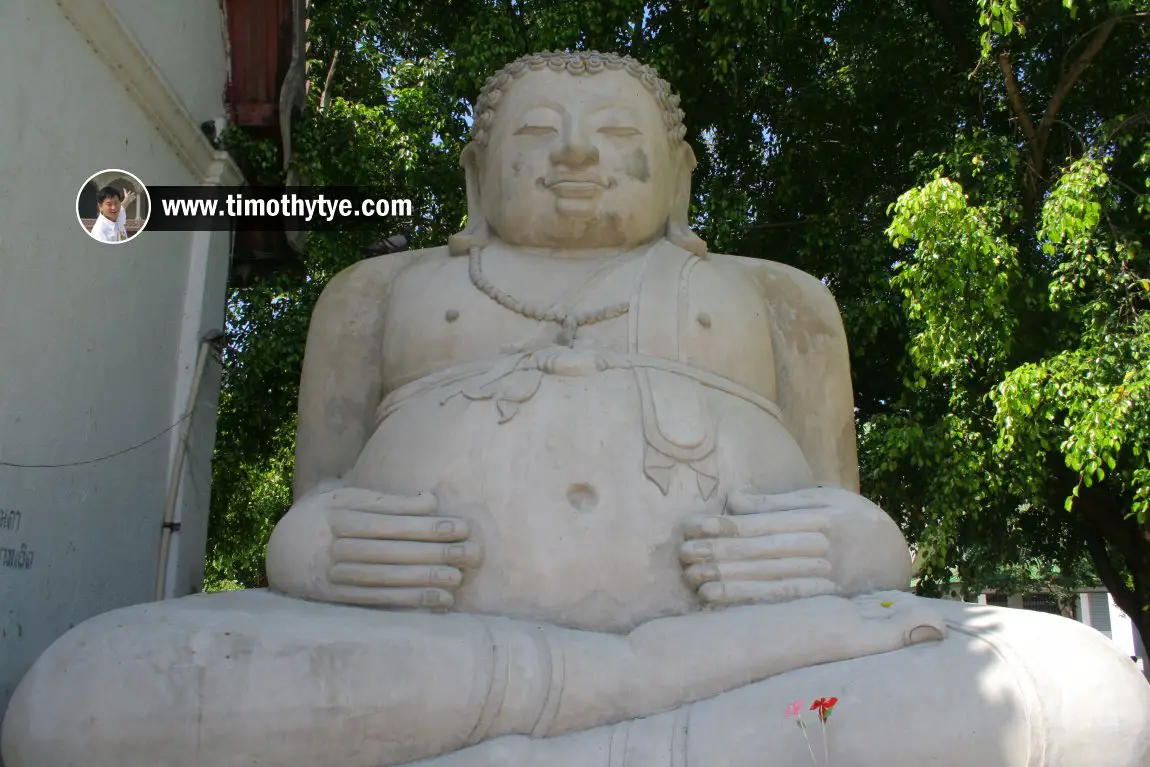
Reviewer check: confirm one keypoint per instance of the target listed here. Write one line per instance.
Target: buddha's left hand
(777, 548)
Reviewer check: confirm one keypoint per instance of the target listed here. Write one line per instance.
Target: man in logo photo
(111, 224)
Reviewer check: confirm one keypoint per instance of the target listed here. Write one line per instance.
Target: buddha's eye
(619, 130)
(535, 130)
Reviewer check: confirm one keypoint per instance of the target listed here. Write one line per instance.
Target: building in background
(108, 376)
(1093, 607)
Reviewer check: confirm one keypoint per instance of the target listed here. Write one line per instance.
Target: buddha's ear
(678, 226)
(477, 233)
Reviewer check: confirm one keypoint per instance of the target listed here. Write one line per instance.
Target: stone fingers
(358, 499)
(754, 525)
(758, 570)
(782, 546)
(414, 598)
(764, 592)
(739, 502)
(391, 552)
(395, 576)
(346, 523)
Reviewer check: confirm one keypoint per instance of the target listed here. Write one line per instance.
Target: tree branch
(1104, 513)
(1039, 139)
(1014, 93)
(1132, 541)
(357, 35)
(323, 97)
(1071, 77)
(1131, 120)
(1136, 17)
(1124, 597)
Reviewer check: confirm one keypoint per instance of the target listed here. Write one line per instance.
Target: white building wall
(1114, 623)
(187, 48)
(1123, 628)
(98, 342)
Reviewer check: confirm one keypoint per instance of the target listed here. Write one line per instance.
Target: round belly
(574, 533)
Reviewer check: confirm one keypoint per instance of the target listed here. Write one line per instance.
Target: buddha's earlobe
(678, 223)
(477, 233)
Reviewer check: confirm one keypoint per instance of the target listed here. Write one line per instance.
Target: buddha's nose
(575, 151)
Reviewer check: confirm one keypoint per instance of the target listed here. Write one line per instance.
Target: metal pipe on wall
(170, 526)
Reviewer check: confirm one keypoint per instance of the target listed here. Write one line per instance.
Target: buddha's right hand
(361, 547)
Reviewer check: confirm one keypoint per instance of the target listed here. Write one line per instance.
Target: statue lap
(982, 697)
(251, 677)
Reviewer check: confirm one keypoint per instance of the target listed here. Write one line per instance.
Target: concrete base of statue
(254, 678)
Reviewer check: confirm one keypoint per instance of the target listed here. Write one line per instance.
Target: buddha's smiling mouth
(576, 185)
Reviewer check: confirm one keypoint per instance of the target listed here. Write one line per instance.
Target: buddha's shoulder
(781, 283)
(372, 275)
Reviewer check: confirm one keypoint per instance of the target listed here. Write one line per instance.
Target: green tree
(1024, 273)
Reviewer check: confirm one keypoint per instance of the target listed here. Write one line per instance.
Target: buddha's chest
(702, 313)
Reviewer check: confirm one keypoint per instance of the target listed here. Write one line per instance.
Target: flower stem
(802, 727)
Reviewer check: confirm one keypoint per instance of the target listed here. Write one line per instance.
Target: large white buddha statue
(573, 492)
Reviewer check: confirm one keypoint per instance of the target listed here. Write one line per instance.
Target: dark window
(1041, 603)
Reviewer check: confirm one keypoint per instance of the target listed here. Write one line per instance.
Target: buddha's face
(577, 162)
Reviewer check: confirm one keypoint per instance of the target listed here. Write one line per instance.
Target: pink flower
(794, 709)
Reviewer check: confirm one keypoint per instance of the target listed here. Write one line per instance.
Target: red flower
(824, 706)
